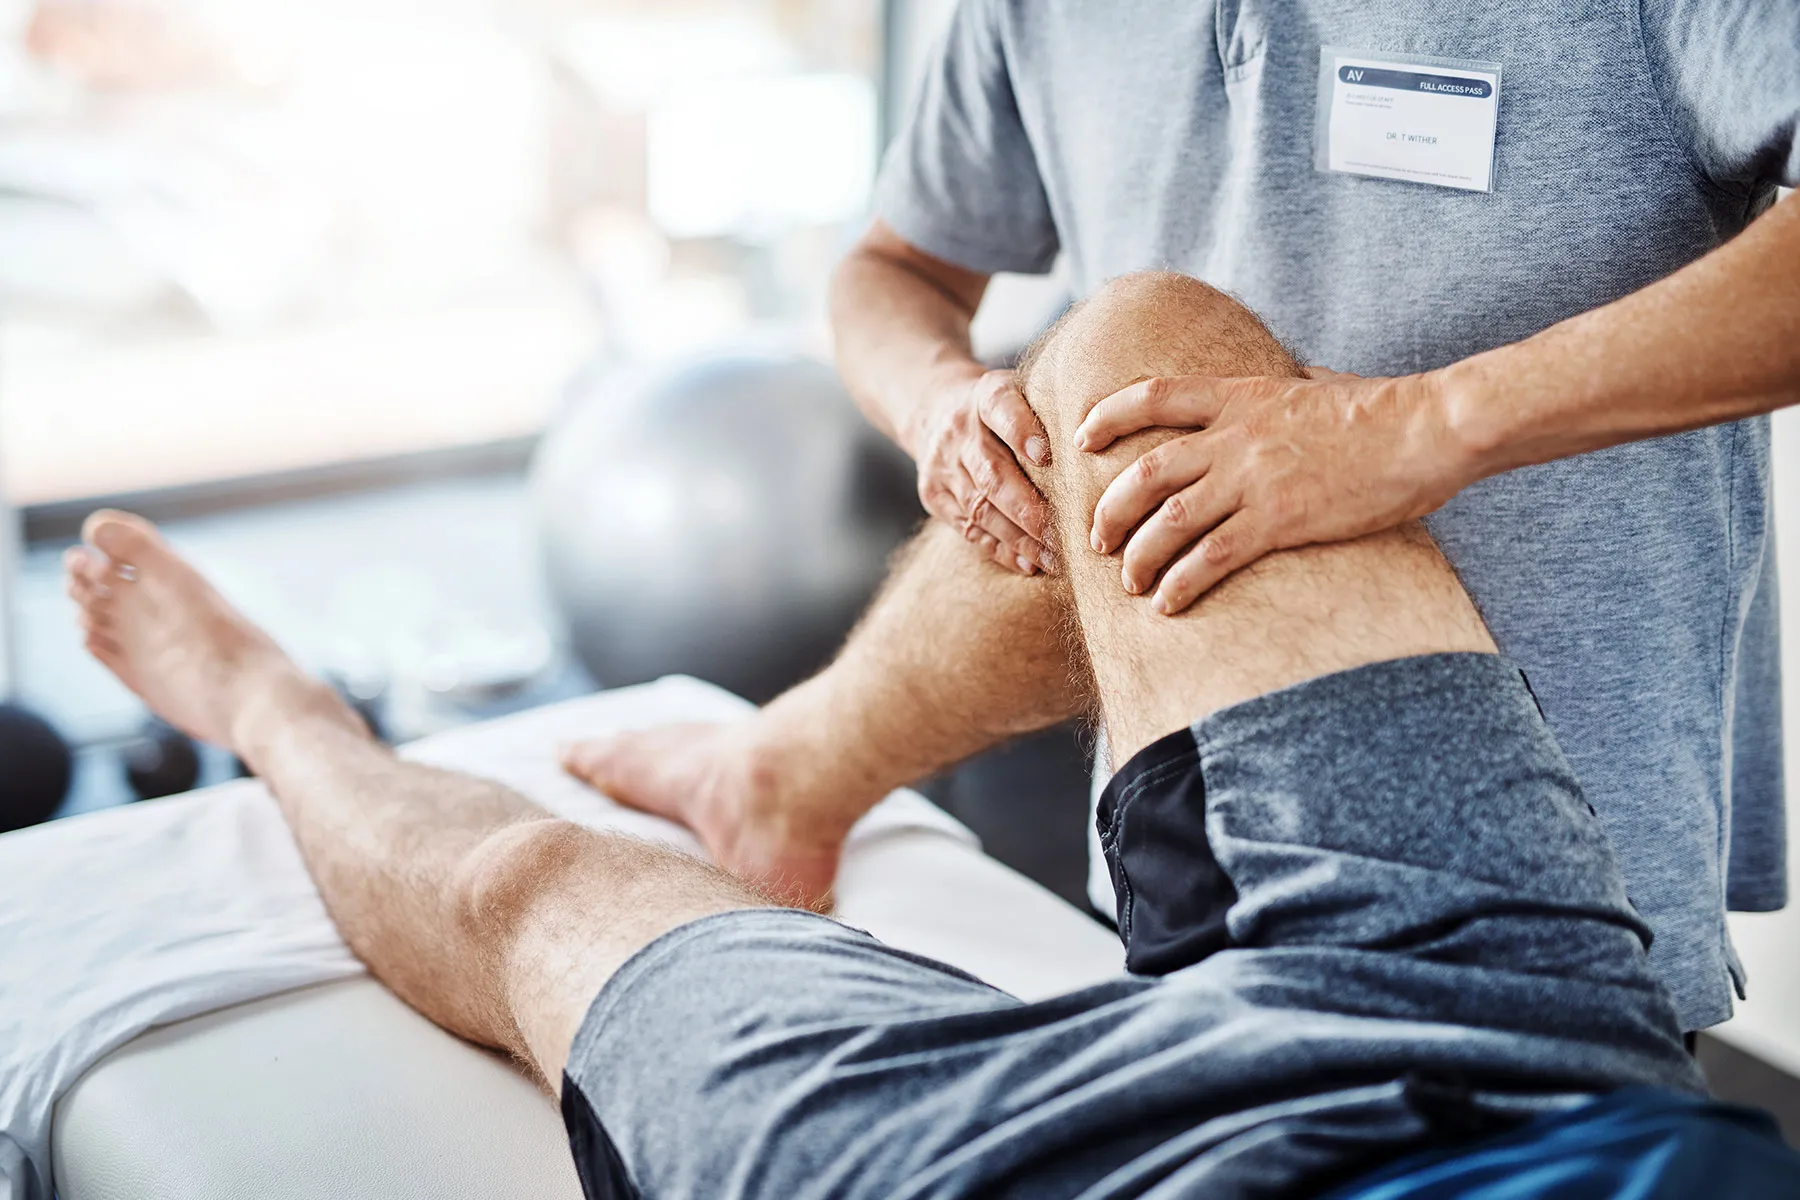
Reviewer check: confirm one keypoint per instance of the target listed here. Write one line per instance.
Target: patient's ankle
(807, 772)
(276, 705)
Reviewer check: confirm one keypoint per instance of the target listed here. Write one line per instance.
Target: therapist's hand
(1271, 463)
(969, 444)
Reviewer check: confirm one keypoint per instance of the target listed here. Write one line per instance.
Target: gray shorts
(1365, 915)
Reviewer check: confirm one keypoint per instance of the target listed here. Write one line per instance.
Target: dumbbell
(36, 766)
(160, 761)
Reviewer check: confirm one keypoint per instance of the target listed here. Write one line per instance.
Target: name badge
(1399, 116)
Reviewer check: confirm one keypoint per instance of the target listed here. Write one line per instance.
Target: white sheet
(117, 921)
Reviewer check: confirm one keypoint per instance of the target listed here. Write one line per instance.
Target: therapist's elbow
(882, 261)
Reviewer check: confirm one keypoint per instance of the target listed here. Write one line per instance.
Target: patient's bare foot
(722, 782)
(154, 622)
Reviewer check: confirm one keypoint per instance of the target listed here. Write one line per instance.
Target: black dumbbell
(36, 766)
(160, 761)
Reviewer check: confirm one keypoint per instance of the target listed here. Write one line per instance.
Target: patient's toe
(657, 770)
(102, 647)
(80, 590)
(84, 586)
(590, 760)
(85, 568)
(123, 537)
(94, 617)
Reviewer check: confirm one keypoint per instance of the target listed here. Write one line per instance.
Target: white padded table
(341, 1091)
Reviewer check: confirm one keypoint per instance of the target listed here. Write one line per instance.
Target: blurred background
(304, 232)
(476, 349)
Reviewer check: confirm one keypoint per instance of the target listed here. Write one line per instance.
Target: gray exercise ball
(727, 518)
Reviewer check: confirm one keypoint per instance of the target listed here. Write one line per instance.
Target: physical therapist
(1546, 240)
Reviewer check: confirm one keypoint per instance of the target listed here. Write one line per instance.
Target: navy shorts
(1366, 915)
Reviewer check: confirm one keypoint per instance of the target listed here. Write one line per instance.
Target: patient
(1365, 905)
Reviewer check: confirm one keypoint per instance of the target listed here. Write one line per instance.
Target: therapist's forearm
(900, 320)
(1717, 341)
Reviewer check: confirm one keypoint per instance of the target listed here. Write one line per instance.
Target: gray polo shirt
(1636, 585)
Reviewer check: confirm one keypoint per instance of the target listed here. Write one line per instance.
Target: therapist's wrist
(1468, 420)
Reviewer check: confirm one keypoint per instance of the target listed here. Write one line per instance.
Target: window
(247, 236)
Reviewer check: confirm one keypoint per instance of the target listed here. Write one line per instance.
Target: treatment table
(339, 1090)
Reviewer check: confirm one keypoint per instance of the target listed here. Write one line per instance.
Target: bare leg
(479, 909)
(1289, 617)
(954, 656)
(502, 923)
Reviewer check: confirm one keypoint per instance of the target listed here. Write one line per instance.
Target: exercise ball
(160, 761)
(35, 768)
(727, 518)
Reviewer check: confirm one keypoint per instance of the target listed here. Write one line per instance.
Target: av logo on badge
(1421, 121)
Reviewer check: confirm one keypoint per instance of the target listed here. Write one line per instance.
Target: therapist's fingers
(1179, 401)
(940, 499)
(997, 550)
(1003, 409)
(1318, 372)
(1134, 493)
(999, 500)
(997, 475)
(1237, 542)
(1177, 523)
(1002, 548)
(1003, 541)
(952, 497)
(947, 504)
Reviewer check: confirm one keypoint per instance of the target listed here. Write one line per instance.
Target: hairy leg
(494, 919)
(1288, 617)
(954, 656)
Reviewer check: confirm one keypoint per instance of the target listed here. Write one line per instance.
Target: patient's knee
(1151, 299)
(1147, 325)
(1166, 316)
(1143, 325)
